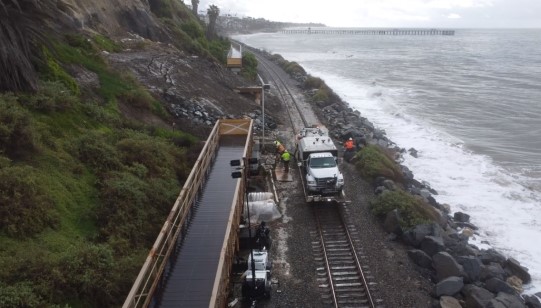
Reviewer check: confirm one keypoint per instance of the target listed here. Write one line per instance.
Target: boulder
(515, 283)
(462, 217)
(415, 236)
(491, 256)
(392, 222)
(449, 302)
(420, 258)
(472, 267)
(476, 297)
(446, 266)
(413, 152)
(496, 286)
(504, 300)
(518, 270)
(466, 225)
(432, 245)
(408, 175)
(449, 286)
(468, 232)
(389, 184)
(493, 270)
(532, 301)
(425, 193)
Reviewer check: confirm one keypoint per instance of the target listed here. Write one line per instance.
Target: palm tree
(21, 28)
(195, 3)
(213, 11)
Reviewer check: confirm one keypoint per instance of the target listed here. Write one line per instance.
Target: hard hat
(350, 138)
(276, 142)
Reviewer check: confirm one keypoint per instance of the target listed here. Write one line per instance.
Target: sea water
(470, 104)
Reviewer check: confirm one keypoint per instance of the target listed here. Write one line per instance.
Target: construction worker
(286, 157)
(279, 147)
(349, 147)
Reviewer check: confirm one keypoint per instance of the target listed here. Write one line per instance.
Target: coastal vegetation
(249, 66)
(372, 161)
(412, 211)
(84, 190)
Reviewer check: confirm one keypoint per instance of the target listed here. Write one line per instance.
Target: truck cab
(322, 174)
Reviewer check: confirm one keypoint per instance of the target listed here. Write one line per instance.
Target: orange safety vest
(349, 145)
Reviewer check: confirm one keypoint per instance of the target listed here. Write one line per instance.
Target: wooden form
(149, 276)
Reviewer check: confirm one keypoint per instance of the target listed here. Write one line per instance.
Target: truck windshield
(322, 162)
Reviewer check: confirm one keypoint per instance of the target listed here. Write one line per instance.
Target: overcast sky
(390, 13)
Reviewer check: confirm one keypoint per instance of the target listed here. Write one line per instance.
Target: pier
(370, 31)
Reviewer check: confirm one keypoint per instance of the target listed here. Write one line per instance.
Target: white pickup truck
(317, 159)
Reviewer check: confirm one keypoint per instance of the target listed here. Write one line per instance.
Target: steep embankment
(90, 162)
(112, 17)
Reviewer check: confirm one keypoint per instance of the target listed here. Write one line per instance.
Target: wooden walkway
(371, 31)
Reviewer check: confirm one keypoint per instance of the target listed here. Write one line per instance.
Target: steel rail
(358, 262)
(362, 278)
(327, 264)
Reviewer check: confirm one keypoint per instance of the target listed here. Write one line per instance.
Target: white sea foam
(508, 214)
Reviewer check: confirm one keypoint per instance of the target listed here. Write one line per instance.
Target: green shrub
(138, 98)
(79, 41)
(107, 44)
(20, 294)
(313, 83)
(53, 71)
(123, 210)
(18, 136)
(178, 138)
(98, 112)
(412, 211)
(51, 96)
(91, 274)
(96, 152)
(321, 95)
(170, 9)
(152, 153)
(218, 49)
(293, 68)
(249, 66)
(133, 210)
(193, 29)
(4, 162)
(25, 208)
(183, 40)
(372, 161)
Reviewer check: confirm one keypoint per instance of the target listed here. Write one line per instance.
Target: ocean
(470, 104)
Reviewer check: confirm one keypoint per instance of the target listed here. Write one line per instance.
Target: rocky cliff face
(112, 17)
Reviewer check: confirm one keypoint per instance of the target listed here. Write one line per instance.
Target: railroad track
(299, 115)
(343, 280)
